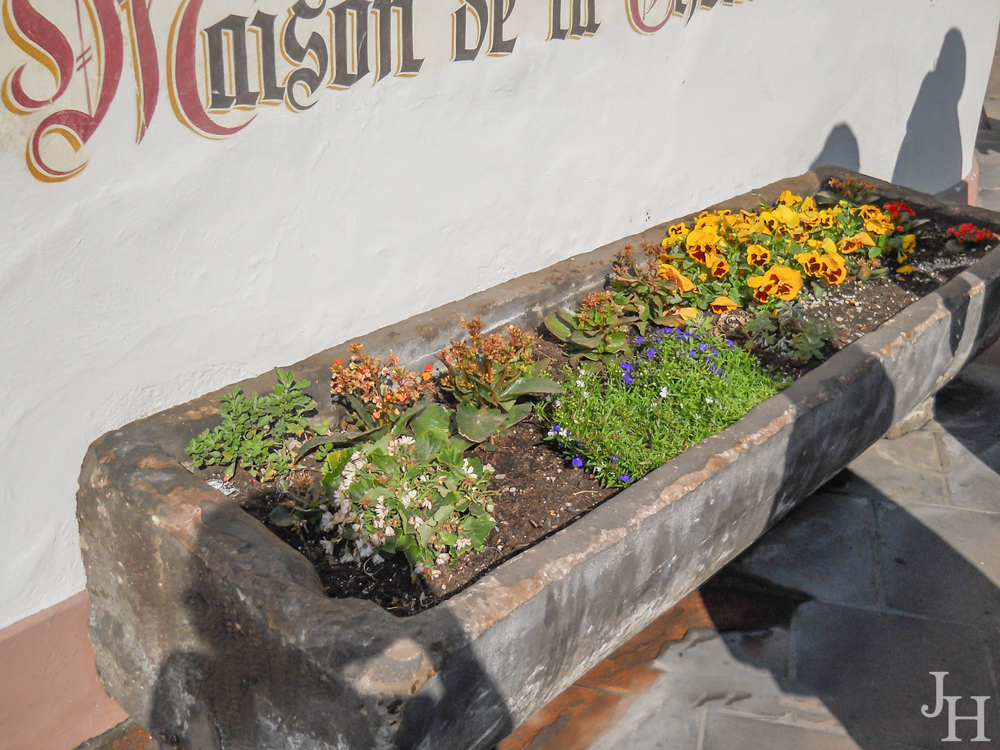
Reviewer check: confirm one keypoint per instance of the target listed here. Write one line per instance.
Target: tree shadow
(930, 156)
(840, 150)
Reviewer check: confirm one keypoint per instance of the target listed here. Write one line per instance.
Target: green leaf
(616, 341)
(361, 410)
(538, 369)
(518, 413)
(336, 439)
(531, 385)
(424, 533)
(460, 444)
(585, 341)
(433, 417)
(430, 443)
(567, 316)
(443, 512)
(478, 424)
(477, 528)
(557, 327)
(399, 423)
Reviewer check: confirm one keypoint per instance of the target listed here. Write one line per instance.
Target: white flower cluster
(370, 527)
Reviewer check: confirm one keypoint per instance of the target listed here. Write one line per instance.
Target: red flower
(897, 208)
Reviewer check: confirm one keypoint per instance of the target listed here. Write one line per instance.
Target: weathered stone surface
(912, 421)
(209, 629)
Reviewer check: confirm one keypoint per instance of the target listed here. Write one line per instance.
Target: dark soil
(539, 492)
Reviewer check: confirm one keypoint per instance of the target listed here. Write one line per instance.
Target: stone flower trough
(213, 633)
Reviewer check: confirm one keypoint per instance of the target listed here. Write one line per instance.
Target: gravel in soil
(539, 492)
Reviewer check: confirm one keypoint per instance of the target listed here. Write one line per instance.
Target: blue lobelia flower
(578, 462)
(625, 478)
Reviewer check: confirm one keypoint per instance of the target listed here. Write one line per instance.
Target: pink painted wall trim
(49, 695)
(972, 180)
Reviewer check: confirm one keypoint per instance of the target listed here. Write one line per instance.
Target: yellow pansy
(834, 268)
(788, 199)
(809, 218)
(719, 268)
(828, 219)
(722, 304)
(705, 219)
(811, 263)
(674, 276)
(781, 281)
(909, 242)
(768, 221)
(730, 220)
(686, 313)
(828, 246)
(758, 256)
(858, 241)
(904, 269)
(702, 236)
(787, 216)
(876, 226)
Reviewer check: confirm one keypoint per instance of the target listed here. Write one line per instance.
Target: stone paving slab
(871, 669)
(724, 731)
(829, 553)
(941, 562)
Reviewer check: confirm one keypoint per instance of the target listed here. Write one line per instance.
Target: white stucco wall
(178, 265)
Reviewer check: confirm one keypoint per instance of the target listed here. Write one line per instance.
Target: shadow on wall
(930, 156)
(840, 150)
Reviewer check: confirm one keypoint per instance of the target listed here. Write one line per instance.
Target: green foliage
(790, 333)
(852, 190)
(595, 334)
(637, 288)
(492, 378)
(680, 389)
(413, 494)
(255, 430)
